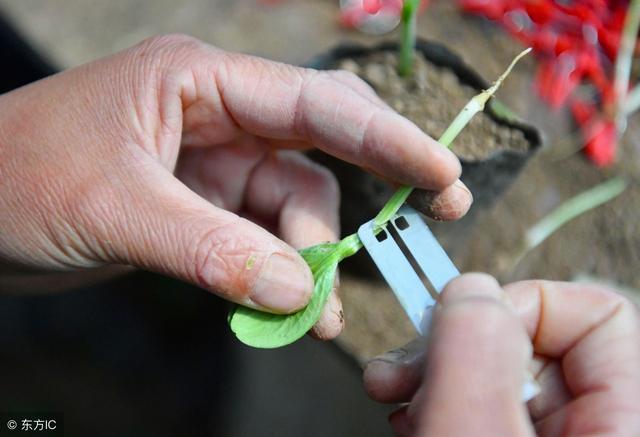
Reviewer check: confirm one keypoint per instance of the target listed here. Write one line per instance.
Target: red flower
(492, 9)
(598, 132)
(583, 112)
(541, 11)
(555, 81)
(600, 144)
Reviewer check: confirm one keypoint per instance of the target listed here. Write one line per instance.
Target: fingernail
(443, 205)
(452, 205)
(331, 321)
(461, 203)
(283, 285)
(461, 186)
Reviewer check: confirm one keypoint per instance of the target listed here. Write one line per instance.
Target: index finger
(280, 101)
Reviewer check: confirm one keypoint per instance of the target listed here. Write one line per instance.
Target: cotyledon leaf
(265, 330)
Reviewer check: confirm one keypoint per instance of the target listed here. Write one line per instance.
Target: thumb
(169, 229)
(475, 365)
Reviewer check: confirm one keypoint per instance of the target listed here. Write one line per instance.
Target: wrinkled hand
(586, 340)
(174, 156)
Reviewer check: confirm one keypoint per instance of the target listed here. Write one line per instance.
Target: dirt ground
(604, 244)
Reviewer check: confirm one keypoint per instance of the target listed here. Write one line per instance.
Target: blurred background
(148, 356)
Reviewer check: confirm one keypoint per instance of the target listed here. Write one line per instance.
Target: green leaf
(408, 36)
(265, 330)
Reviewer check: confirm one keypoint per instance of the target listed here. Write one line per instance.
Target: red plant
(577, 43)
(598, 133)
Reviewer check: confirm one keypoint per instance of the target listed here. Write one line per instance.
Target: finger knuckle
(604, 293)
(345, 76)
(324, 180)
(318, 179)
(204, 259)
(354, 82)
(275, 74)
(163, 51)
(171, 43)
(218, 259)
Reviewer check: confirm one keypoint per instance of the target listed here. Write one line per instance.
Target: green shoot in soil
(265, 330)
(408, 21)
(567, 211)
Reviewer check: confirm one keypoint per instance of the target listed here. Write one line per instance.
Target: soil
(374, 319)
(432, 97)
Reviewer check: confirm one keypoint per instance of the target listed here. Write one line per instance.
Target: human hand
(174, 156)
(586, 340)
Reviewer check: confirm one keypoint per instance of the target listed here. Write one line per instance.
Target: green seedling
(265, 330)
(408, 22)
(567, 211)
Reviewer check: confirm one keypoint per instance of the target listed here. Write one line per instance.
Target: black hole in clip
(402, 223)
(381, 236)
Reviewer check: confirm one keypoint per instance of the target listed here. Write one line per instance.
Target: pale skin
(180, 158)
(466, 378)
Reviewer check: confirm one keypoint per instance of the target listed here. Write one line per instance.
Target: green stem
(567, 211)
(408, 36)
(624, 60)
(571, 209)
(475, 105)
(349, 246)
